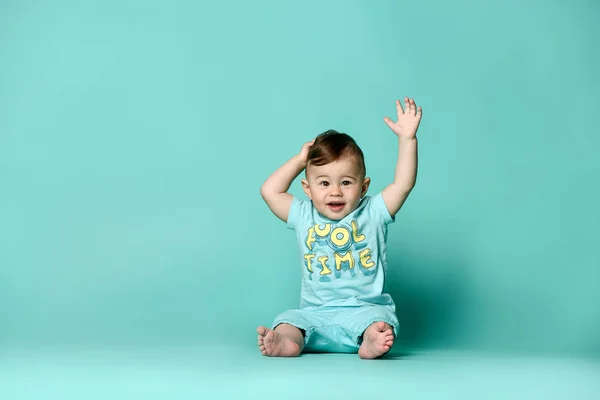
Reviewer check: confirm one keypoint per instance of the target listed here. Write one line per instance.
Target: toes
(380, 326)
(262, 331)
(384, 327)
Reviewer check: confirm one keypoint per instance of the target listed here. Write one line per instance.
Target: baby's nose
(336, 190)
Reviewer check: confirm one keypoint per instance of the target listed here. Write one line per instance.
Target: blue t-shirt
(343, 262)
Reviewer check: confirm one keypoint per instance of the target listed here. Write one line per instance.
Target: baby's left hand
(408, 119)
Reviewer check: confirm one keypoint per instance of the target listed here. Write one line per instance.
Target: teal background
(135, 135)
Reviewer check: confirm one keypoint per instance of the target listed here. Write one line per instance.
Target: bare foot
(275, 344)
(378, 339)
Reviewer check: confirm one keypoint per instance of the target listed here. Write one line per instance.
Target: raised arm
(274, 190)
(405, 177)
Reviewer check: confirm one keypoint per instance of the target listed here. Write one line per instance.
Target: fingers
(399, 108)
(389, 122)
(410, 107)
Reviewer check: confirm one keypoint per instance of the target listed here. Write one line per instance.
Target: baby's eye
(324, 183)
(346, 183)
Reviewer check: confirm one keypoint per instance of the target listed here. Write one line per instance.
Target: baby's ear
(306, 188)
(365, 186)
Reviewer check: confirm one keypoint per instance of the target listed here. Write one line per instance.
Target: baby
(342, 234)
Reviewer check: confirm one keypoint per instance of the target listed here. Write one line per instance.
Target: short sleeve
(379, 211)
(300, 210)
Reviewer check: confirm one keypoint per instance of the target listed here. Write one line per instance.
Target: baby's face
(335, 188)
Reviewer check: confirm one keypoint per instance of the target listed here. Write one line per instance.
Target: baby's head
(335, 175)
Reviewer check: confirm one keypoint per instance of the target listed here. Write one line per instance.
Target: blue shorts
(336, 329)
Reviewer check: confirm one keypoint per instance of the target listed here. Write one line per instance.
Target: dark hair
(332, 145)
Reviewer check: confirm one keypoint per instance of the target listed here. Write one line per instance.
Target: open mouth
(335, 206)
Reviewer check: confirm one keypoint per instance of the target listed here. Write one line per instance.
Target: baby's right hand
(304, 152)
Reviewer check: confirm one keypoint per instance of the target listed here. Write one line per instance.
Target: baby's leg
(378, 339)
(285, 341)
